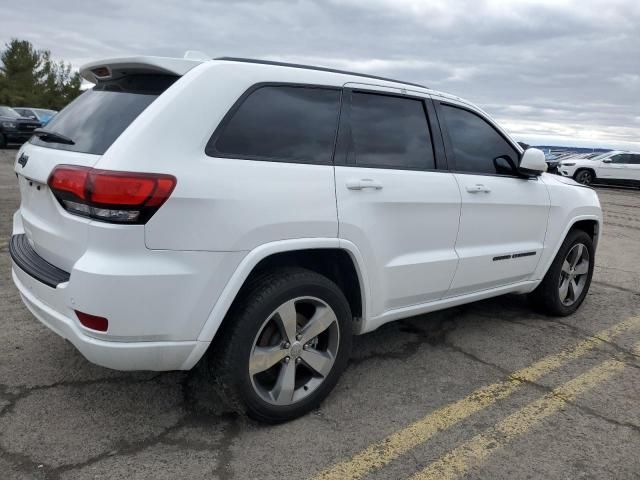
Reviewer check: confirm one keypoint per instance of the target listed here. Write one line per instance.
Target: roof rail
(311, 67)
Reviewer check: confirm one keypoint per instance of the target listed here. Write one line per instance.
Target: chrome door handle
(363, 183)
(478, 188)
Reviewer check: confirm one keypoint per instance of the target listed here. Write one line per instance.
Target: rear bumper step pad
(33, 264)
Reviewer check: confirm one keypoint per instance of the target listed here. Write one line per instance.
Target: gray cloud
(557, 70)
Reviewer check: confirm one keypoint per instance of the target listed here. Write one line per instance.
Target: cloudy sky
(551, 71)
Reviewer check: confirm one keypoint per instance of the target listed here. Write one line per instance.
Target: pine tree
(29, 77)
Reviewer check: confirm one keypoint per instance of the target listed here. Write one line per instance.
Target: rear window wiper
(50, 136)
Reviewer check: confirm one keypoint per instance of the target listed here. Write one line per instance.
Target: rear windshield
(97, 117)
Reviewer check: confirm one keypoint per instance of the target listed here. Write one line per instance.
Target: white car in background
(250, 216)
(616, 168)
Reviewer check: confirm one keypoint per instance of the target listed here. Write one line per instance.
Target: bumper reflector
(93, 322)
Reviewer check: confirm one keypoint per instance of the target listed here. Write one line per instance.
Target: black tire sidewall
(250, 320)
(583, 172)
(574, 237)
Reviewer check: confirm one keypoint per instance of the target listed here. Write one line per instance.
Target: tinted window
(296, 124)
(477, 146)
(97, 117)
(635, 159)
(390, 132)
(621, 158)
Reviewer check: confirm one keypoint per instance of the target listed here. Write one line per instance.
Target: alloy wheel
(294, 351)
(585, 177)
(573, 275)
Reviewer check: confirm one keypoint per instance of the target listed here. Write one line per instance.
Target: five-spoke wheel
(294, 350)
(567, 281)
(584, 177)
(573, 276)
(284, 345)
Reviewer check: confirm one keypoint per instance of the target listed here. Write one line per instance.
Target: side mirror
(532, 162)
(607, 160)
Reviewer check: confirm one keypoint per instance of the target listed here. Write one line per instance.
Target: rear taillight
(110, 196)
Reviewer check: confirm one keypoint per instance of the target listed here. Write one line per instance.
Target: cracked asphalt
(435, 393)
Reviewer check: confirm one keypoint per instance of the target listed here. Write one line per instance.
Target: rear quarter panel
(222, 204)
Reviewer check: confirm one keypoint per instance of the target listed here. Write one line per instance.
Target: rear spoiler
(111, 68)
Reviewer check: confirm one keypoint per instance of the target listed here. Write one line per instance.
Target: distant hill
(555, 148)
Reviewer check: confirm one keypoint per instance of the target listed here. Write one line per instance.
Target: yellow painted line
(457, 462)
(379, 454)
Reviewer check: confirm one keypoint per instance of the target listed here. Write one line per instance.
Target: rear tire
(584, 176)
(567, 281)
(284, 325)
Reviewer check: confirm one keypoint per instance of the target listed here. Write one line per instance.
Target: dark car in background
(43, 115)
(15, 128)
(552, 163)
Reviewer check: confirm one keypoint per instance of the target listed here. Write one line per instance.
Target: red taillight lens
(117, 197)
(93, 322)
(70, 179)
(120, 189)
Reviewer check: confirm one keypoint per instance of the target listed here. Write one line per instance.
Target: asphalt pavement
(488, 390)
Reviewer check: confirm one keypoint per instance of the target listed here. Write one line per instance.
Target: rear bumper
(159, 356)
(25, 257)
(156, 301)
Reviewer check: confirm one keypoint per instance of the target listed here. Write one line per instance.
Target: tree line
(31, 78)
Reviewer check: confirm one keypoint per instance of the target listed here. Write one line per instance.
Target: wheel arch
(590, 226)
(589, 223)
(590, 169)
(315, 254)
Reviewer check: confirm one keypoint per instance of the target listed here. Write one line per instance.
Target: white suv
(614, 168)
(250, 216)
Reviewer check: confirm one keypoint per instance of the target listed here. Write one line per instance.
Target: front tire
(283, 346)
(3, 140)
(567, 281)
(584, 176)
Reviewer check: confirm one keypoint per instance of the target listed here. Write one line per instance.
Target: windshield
(95, 119)
(8, 112)
(601, 156)
(44, 114)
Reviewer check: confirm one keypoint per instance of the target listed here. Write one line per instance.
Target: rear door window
(95, 119)
(389, 132)
(281, 123)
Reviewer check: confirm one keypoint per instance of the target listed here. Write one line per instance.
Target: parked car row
(17, 124)
(553, 159)
(616, 168)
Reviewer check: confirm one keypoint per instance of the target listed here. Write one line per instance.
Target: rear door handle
(364, 183)
(478, 188)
